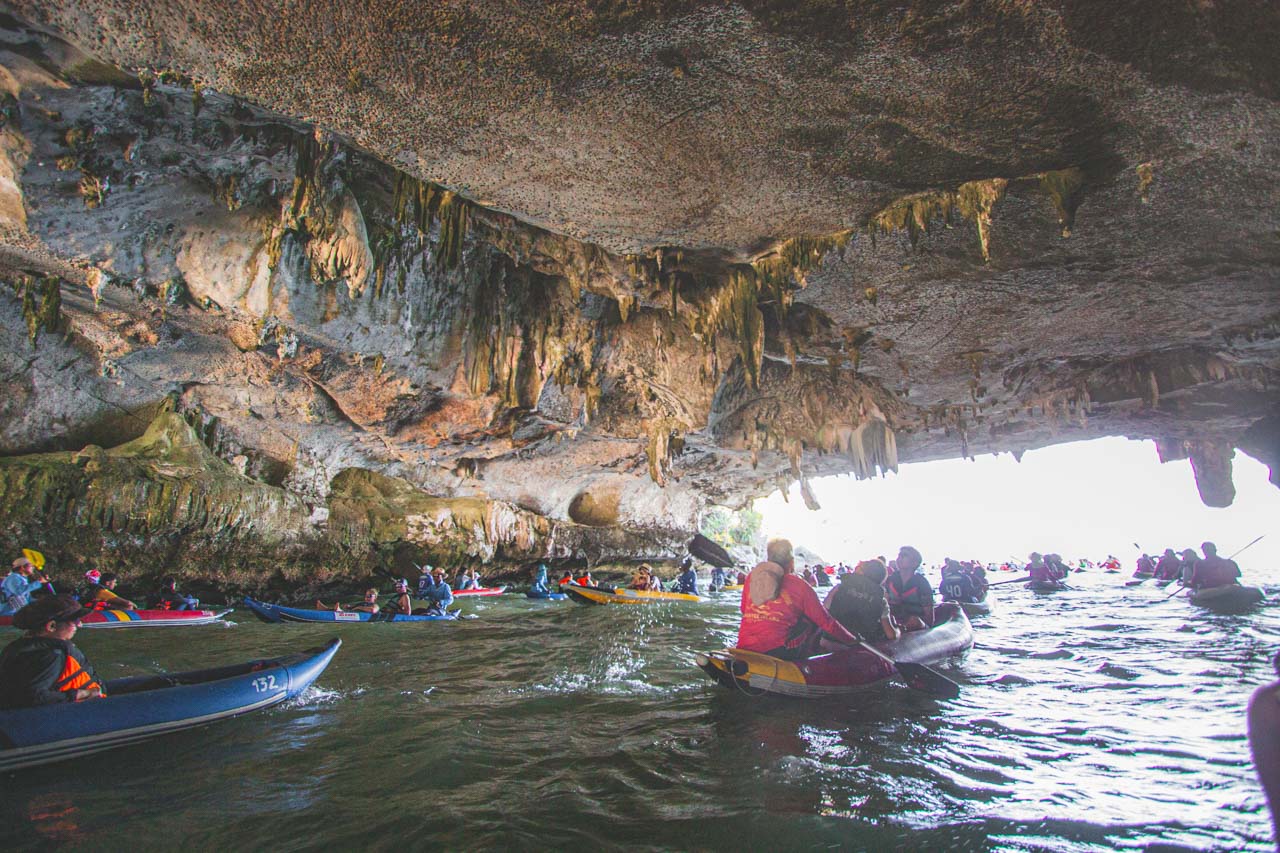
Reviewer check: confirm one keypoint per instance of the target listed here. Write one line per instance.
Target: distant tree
(727, 527)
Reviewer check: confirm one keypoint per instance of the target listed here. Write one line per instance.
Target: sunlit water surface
(1095, 719)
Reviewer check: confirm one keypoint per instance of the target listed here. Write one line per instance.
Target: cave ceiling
(606, 262)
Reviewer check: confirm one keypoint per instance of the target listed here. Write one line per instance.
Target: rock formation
(513, 281)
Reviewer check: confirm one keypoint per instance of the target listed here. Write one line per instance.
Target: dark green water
(1097, 719)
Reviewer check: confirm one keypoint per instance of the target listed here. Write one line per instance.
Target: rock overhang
(1100, 259)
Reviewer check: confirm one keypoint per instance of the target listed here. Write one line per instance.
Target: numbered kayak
(141, 618)
(146, 706)
(839, 672)
(281, 613)
(1225, 599)
(601, 595)
(484, 590)
(546, 596)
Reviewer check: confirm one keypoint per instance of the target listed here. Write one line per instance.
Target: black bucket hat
(58, 608)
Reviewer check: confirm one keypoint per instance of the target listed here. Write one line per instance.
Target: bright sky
(1086, 499)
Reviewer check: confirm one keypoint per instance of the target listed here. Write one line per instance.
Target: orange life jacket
(74, 677)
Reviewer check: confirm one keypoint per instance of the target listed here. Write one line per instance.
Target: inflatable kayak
(546, 596)
(145, 706)
(1226, 598)
(601, 595)
(141, 618)
(281, 613)
(975, 608)
(839, 672)
(1047, 586)
(484, 590)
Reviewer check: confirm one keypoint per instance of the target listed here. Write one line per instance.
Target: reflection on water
(1095, 719)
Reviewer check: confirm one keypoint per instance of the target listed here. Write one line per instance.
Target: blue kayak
(280, 613)
(546, 596)
(145, 706)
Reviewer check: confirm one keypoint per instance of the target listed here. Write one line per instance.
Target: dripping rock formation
(511, 281)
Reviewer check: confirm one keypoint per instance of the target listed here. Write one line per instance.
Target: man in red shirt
(781, 614)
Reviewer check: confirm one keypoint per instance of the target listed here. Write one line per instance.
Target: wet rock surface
(454, 292)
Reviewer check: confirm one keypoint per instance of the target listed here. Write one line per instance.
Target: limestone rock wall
(377, 332)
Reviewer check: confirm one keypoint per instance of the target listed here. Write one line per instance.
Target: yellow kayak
(597, 595)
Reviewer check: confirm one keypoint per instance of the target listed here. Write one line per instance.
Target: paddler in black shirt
(909, 593)
(858, 603)
(44, 667)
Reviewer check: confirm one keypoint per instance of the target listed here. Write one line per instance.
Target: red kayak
(141, 618)
(484, 590)
(843, 671)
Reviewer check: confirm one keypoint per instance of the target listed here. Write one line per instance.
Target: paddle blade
(36, 558)
(921, 677)
(709, 552)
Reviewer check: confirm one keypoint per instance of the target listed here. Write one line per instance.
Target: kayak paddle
(1015, 580)
(709, 552)
(1180, 588)
(1232, 557)
(918, 676)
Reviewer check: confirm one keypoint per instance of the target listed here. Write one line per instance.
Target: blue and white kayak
(146, 706)
(546, 596)
(280, 613)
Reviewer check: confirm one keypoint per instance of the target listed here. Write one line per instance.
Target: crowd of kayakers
(96, 592)
(782, 616)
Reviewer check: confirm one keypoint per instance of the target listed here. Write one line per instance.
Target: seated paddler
(103, 596)
(16, 588)
(368, 605)
(718, 579)
(687, 580)
(956, 584)
(437, 594)
(43, 667)
(781, 614)
(858, 602)
(401, 603)
(540, 579)
(169, 598)
(909, 593)
(641, 579)
(1213, 570)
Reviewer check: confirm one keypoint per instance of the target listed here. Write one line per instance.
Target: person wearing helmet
(103, 595)
(43, 667)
